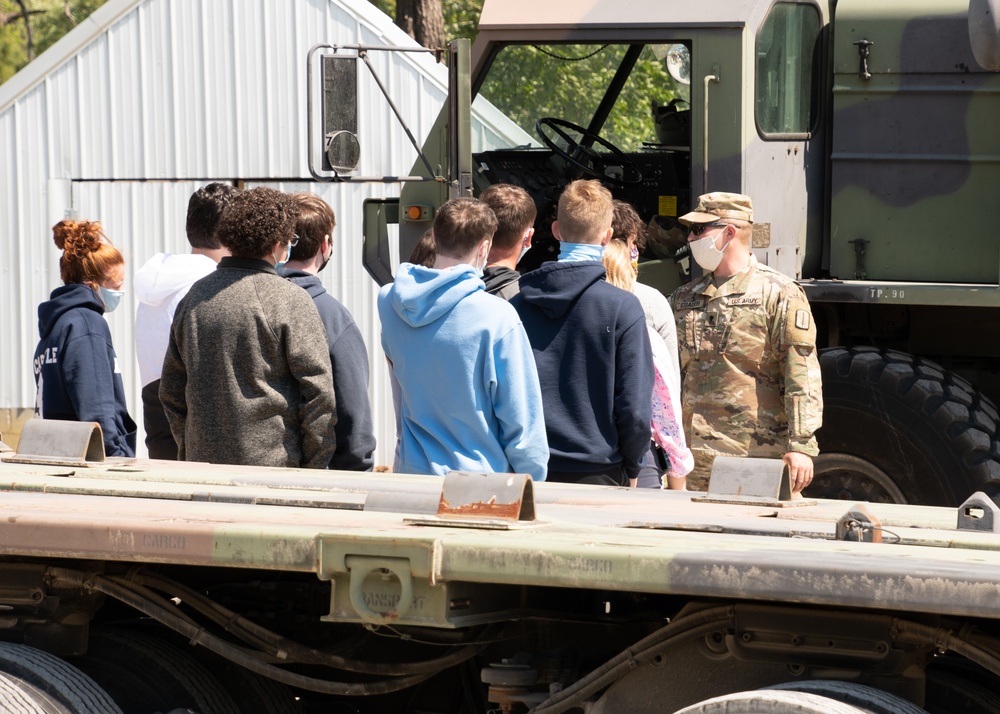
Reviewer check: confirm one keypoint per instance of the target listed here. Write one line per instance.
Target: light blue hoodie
(469, 397)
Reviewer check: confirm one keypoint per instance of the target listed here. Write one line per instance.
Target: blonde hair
(88, 256)
(618, 264)
(585, 212)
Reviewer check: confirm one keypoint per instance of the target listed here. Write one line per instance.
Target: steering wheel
(584, 157)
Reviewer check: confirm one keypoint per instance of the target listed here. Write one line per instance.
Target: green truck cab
(865, 133)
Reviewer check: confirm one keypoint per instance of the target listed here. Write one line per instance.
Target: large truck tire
(869, 699)
(954, 684)
(948, 693)
(17, 697)
(899, 428)
(771, 702)
(145, 674)
(48, 682)
(250, 691)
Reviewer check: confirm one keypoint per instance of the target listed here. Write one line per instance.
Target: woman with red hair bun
(77, 374)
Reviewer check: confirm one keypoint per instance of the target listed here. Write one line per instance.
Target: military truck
(865, 133)
(142, 586)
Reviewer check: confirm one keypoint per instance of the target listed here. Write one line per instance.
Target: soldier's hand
(800, 469)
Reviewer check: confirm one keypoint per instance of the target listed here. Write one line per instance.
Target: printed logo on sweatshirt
(39, 412)
(49, 356)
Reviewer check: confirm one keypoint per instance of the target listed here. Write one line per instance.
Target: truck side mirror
(341, 148)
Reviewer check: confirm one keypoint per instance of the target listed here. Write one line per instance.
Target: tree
(423, 20)
(459, 17)
(29, 27)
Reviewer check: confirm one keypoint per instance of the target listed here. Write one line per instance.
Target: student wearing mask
(247, 377)
(515, 211)
(589, 339)
(160, 285)
(465, 385)
(77, 373)
(348, 355)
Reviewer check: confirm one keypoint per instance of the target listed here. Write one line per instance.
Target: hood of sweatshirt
(64, 299)
(420, 295)
(165, 274)
(311, 283)
(554, 287)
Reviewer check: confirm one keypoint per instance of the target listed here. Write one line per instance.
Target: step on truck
(140, 586)
(864, 130)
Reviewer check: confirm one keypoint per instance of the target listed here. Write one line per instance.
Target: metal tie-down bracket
(750, 481)
(60, 443)
(859, 524)
(483, 500)
(979, 513)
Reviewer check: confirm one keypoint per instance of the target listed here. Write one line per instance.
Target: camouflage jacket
(751, 382)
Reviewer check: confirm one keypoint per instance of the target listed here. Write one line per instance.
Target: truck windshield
(619, 84)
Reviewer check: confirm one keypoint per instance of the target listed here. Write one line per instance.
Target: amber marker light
(418, 213)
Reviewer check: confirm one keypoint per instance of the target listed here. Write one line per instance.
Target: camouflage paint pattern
(914, 146)
(751, 378)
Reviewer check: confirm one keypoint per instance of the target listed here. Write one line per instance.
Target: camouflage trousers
(698, 479)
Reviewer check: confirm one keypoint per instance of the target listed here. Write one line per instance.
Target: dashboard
(663, 189)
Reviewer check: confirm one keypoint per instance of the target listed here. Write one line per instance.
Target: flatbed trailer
(548, 597)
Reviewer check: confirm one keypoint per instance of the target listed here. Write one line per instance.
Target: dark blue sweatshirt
(76, 369)
(355, 434)
(594, 363)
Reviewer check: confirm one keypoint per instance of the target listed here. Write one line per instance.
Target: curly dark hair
(627, 224)
(205, 208)
(255, 220)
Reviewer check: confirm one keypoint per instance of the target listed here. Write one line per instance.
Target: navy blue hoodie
(76, 369)
(595, 365)
(349, 357)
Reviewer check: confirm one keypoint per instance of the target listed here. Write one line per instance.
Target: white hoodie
(160, 285)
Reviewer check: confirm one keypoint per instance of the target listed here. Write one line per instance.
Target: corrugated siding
(166, 96)
(198, 89)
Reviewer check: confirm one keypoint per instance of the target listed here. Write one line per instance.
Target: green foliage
(12, 56)
(386, 6)
(50, 27)
(527, 82)
(47, 27)
(461, 18)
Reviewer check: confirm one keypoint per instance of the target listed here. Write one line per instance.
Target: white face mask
(706, 254)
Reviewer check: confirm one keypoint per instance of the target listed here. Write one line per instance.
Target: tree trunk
(29, 38)
(423, 20)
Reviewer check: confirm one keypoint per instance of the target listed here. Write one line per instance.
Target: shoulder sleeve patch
(799, 329)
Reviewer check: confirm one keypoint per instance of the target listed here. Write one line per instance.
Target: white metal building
(146, 101)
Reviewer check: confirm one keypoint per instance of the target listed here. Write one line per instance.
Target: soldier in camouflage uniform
(747, 342)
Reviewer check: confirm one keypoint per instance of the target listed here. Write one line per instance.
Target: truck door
(785, 164)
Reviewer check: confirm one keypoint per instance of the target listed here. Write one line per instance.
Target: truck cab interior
(619, 113)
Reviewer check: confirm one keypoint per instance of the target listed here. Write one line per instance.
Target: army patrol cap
(718, 205)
